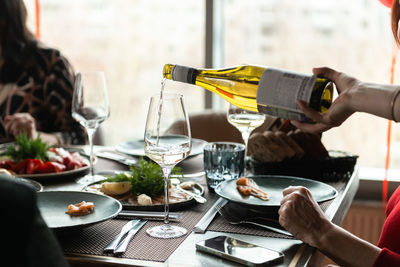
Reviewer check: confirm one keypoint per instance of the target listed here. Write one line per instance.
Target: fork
(235, 219)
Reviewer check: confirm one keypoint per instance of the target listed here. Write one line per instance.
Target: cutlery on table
(205, 221)
(116, 157)
(125, 229)
(121, 248)
(149, 215)
(198, 198)
(236, 219)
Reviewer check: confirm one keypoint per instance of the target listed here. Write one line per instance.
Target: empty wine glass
(90, 108)
(167, 149)
(245, 121)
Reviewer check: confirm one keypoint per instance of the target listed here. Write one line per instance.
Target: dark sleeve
(26, 239)
(387, 258)
(58, 90)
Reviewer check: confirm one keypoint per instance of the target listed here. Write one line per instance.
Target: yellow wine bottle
(262, 89)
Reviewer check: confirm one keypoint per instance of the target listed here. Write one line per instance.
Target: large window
(130, 40)
(351, 36)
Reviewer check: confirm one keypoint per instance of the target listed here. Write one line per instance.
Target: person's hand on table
(301, 215)
(340, 109)
(20, 123)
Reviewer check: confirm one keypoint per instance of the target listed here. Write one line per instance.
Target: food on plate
(187, 185)
(116, 188)
(6, 172)
(80, 209)
(276, 146)
(144, 200)
(32, 156)
(146, 185)
(247, 187)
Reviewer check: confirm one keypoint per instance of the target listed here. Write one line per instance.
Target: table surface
(296, 252)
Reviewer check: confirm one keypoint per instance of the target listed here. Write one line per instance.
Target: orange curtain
(37, 13)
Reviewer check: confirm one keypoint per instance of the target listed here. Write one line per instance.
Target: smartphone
(240, 251)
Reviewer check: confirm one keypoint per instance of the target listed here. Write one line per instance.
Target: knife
(125, 229)
(116, 157)
(150, 215)
(121, 248)
(205, 221)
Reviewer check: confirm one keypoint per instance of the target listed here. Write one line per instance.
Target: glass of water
(223, 161)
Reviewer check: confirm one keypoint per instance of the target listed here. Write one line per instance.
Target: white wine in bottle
(262, 89)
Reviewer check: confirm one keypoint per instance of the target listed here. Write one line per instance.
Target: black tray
(338, 166)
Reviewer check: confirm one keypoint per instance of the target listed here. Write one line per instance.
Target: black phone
(240, 251)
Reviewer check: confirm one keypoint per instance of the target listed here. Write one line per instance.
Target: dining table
(84, 246)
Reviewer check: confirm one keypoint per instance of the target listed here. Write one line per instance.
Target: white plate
(136, 147)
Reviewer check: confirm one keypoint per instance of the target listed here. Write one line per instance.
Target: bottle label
(279, 90)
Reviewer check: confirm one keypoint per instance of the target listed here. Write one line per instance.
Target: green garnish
(27, 148)
(146, 178)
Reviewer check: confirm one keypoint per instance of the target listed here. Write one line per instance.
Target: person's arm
(354, 96)
(301, 215)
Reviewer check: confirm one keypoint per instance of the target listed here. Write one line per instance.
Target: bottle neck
(184, 74)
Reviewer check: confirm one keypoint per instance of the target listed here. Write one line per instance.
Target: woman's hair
(15, 37)
(395, 17)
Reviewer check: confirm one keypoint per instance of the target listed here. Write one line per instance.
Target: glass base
(89, 179)
(166, 231)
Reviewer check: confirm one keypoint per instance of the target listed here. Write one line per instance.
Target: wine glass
(245, 121)
(90, 107)
(167, 149)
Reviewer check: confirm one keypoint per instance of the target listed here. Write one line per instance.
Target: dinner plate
(127, 205)
(54, 204)
(136, 147)
(273, 185)
(38, 187)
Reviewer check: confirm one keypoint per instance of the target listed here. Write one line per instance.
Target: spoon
(196, 197)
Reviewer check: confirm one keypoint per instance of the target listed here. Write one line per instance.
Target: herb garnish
(146, 178)
(27, 148)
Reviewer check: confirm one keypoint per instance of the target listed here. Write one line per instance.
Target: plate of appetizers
(136, 147)
(143, 188)
(75, 209)
(32, 158)
(266, 190)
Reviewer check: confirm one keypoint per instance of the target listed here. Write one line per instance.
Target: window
(130, 40)
(351, 36)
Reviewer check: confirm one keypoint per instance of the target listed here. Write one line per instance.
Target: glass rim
(234, 144)
(167, 95)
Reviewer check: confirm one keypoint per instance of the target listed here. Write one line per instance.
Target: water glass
(223, 161)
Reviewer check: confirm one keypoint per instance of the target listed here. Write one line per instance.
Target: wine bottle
(262, 89)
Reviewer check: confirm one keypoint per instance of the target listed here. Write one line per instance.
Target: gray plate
(54, 204)
(136, 147)
(273, 186)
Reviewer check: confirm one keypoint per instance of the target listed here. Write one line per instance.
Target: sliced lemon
(115, 188)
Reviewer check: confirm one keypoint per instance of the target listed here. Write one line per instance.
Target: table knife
(125, 229)
(116, 157)
(149, 215)
(205, 221)
(121, 248)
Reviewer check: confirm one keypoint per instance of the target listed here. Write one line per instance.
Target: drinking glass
(167, 149)
(245, 121)
(90, 107)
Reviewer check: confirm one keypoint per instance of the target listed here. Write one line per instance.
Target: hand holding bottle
(341, 108)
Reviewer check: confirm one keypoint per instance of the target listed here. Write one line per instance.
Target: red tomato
(20, 167)
(32, 165)
(7, 164)
(48, 167)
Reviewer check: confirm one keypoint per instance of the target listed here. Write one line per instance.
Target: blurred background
(131, 40)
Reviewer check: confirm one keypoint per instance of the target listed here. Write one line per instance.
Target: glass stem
(90, 133)
(167, 172)
(245, 137)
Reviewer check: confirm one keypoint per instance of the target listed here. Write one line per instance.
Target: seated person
(27, 241)
(36, 84)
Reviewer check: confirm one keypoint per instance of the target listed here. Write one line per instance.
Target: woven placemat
(93, 239)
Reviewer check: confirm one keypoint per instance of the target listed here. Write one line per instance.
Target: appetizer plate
(273, 186)
(177, 201)
(54, 204)
(38, 187)
(136, 147)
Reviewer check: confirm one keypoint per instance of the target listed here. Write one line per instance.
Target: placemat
(93, 239)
